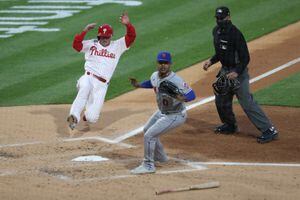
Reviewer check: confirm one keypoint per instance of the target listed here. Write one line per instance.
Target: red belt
(97, 77)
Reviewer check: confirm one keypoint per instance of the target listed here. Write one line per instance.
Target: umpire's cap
(164, 56)
(222, 12)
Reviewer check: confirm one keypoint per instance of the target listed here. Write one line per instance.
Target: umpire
(232, 51)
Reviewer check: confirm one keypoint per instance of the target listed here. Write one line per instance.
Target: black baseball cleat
(268, 135)
(226, 129)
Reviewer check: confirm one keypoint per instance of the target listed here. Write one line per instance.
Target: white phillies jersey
(100, 60)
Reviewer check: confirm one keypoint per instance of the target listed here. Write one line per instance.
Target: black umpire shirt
(230, 48)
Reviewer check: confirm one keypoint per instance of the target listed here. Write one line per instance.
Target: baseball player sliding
(101, 58)
(171, 93)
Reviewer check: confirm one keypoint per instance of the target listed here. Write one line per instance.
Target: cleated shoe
(268, 135)
(72, 121)
(143, 169)
(226, 129)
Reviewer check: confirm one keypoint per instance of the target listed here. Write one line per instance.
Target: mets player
(101, 58)
(170, 114)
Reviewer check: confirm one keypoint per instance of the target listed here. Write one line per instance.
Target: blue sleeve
(146, 84)
(190, 96)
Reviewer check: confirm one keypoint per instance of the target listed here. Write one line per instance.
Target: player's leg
(162, 125)
(96, 100)
(155, 116)
(159, 153)
(151, 137)
(84, 87)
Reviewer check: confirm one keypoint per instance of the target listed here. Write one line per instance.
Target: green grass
(42, 68)
(283, 93)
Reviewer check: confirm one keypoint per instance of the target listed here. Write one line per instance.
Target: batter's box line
(97, 138)
(193, 166)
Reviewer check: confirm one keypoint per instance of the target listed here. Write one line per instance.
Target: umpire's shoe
(226, 129)
(268, 135)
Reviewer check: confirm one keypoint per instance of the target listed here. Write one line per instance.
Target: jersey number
(165, 102)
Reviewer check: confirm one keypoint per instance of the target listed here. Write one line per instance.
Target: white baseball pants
(91, 95)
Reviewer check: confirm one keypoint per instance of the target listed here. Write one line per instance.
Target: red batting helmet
(105, 30)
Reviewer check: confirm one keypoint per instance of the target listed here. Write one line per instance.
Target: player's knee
(148, 136)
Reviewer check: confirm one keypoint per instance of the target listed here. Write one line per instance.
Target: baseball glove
(169, 88)
(223, 85)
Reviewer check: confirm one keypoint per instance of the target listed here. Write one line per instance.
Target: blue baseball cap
(164, 56)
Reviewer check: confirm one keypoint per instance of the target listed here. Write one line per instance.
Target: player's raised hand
(134, 82)
(124, 19)
(89, 27)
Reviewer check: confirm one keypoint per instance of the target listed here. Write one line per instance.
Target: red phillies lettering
(102, 52)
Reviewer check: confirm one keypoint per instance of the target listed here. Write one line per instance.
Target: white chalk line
(102, 139)
(212, 98)
(138, 130)
(20, 144)
(193, 166)
(250, 164)
(73, 139)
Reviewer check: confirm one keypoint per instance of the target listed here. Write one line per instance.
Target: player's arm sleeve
(130, 35)
(187, 91)
(77, 42)
(146, 84)
(190, 96)
(243, 57)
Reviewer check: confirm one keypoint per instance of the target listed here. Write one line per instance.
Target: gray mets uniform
(170, 114)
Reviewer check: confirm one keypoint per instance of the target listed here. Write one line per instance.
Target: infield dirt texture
(36, 147)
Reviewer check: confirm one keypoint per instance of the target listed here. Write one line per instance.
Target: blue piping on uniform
(190, 96)
(146, 84)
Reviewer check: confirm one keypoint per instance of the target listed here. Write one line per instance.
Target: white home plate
(90, 159)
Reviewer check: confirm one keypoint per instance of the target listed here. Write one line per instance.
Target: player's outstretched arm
(77, 42)
(124, 18)
(89, 27)
(130, 30)
(134, 82)
(144, 84)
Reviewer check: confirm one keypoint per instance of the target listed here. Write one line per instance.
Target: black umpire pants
(249, 105)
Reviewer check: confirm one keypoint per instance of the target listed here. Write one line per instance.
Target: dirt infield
(36, 147)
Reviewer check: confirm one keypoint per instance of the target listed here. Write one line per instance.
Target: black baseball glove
(223, 85)
(169, 88)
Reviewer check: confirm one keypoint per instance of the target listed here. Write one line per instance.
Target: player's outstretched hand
(134, 82)
(89, 27)
(124, 19)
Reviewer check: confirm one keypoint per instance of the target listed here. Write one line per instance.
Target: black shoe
(268, 135)
(226, 129)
